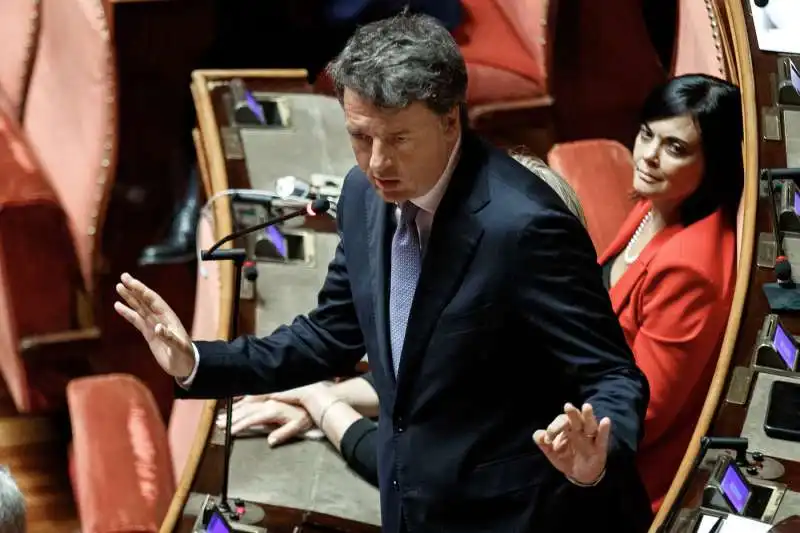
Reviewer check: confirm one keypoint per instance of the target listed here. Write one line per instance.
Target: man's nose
(379, 159)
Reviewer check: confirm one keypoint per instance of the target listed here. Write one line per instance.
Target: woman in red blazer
(671, 268)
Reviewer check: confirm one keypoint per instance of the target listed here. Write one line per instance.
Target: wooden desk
(720, 418)
(222, 169)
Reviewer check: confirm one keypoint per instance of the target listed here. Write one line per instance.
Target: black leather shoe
(179, 246)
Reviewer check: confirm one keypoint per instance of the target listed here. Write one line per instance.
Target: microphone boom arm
(314, 208)
(238, 256)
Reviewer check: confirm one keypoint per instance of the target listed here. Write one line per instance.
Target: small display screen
(735, 488)
(274, 236)
(785, 347)
(797, 203)
(255, 107)
(794, 74)
(217, 524)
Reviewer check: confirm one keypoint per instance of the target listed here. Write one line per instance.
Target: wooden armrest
(50, 362)
(62, 339)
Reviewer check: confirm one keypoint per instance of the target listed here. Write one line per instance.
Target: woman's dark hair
(715, 105)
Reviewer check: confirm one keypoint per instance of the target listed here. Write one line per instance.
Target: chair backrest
(597, 165)
(698, 44)
(535, 23)
(185, 418)
(19, 29)
(71, 113)
(35, 292)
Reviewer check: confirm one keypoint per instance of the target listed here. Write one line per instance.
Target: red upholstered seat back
(70, 115)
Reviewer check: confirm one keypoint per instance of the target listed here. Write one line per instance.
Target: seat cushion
(120, 466)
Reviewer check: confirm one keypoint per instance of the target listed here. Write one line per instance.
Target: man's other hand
(576, 444)
(251, 411)
(158, 324)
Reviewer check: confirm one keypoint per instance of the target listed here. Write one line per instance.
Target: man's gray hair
(563, 189)
(400, 60)
(12, 505)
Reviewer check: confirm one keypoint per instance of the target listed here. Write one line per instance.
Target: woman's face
(668, 156)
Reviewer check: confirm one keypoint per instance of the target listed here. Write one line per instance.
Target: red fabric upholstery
(37, 263)
(502, 63)
(597, 165)
(121, 461)
(696, 41)
(70, 115)
(18, 28)
(504, 46)
(137, 458)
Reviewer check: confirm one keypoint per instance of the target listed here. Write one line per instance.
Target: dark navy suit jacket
(510, 320)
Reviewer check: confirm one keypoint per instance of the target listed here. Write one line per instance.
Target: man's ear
(451, 121)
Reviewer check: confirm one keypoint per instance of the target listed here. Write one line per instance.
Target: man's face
(403, 152)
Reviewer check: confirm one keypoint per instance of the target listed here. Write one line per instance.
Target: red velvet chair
(57, 174)
(507, 45)
(19, 28)
(124, 462)
(597, 165)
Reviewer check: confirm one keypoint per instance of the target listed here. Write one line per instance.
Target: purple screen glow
(785, 347)
(255, 107)
(217, 525)
(735, 489)
(794, 74)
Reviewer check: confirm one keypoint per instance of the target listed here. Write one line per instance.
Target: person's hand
(258, 410)
(158, 324)
(576, 444)
(302, 396)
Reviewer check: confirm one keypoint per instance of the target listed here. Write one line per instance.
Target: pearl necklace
(636, 234)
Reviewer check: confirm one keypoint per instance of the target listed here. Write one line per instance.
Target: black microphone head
(783, 269)
(761, 3)
(319, 206)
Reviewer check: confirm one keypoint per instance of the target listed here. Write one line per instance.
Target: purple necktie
(405, 267)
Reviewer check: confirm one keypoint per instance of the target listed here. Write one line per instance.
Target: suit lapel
(378, 213)
(454, 237)
(620, 293)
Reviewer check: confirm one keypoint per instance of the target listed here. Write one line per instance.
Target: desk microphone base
(242, 517)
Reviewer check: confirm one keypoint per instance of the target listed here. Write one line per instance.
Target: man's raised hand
(158, 324)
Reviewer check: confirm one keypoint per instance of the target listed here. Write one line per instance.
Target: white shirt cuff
(186, 383)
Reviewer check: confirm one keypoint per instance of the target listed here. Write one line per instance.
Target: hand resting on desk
(260, 415)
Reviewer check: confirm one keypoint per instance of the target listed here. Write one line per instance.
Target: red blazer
(673, 304)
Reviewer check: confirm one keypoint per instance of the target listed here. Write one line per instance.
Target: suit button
(400, 424)
(395, 484)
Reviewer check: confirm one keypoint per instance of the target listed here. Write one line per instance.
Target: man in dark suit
(478, 297)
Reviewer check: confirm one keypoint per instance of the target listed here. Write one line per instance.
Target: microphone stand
(238, 257)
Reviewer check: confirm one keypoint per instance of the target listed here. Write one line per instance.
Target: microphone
(783, 271)
(317, 207)
(761, 3)
(238, 256)
(783, 268)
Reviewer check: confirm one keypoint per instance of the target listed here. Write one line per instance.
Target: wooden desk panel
(203, 473)
(755, 72)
